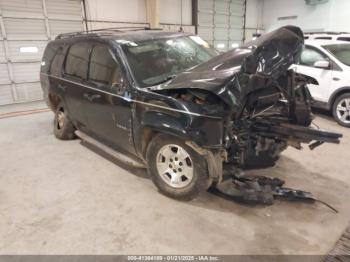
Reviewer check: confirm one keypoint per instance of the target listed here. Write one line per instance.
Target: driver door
(109, 111)
(309, 57)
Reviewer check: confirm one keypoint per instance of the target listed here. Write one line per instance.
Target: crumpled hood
(270, 55)
(274, 52)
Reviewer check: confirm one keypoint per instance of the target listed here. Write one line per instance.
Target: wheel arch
(336, 94)
(54, 101)
(153, 123)
(213, 159)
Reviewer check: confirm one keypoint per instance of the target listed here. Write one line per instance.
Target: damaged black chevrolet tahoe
(170, 102)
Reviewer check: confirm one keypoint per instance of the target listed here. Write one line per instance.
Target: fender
(205, 132)
(168, 124)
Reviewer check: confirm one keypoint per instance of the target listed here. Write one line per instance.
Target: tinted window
(104, 70)
(56, 64)
(77, 60)
(324, 38)
(342, 38)
(48, 56)
(309, 56)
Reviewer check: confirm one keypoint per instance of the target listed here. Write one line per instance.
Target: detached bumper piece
(263, 190)
(296, 133)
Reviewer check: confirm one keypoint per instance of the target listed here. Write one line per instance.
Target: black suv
(169, 102)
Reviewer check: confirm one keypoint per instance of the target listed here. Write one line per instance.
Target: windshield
(154, 62)
(340, 51)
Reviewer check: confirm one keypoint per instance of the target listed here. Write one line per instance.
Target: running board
(120, 156)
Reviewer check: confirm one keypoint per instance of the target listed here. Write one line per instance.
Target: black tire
(63, 130)
(200, 181)
(337, 102)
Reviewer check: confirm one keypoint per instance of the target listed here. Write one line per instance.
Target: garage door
(221, 22)
(26, 27)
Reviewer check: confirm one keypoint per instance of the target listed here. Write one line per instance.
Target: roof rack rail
(103, 31)
(325, 33)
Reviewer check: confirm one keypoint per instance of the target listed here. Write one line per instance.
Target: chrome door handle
(336, 78)
(91, 97)
(95, 97)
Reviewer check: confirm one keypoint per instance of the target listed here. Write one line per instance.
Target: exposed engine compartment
(280, 102)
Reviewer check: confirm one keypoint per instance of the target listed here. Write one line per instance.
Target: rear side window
(104, 69)
(324, 38)
(77, 60)
(343, 38)
(48, 56)
(55, 68)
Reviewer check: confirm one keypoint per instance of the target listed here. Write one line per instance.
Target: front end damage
(275, 108)
(265, 106)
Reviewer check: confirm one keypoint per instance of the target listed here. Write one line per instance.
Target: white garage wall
(118, 13)
(116, 10)
(330, 16)
(254, 18)
(170, 12)
(26, 26)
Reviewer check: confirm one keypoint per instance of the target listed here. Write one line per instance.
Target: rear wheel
(341, 110)
(176, 169)
(63, 127)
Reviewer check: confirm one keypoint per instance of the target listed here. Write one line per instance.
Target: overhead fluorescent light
(220, 45)
(29, 49)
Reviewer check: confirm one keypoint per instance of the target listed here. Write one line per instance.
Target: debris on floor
(263, 190)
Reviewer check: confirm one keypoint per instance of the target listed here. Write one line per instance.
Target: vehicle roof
(132, 35)
(325, 42)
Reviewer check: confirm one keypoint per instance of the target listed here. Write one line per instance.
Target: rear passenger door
(75, 80)
(109, 110)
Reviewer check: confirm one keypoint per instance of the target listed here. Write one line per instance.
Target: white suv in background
(329, 63)
(327, 36)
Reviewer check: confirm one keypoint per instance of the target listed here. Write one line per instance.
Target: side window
(55, 67)
(104, 71)
(77, 60)
(48, 56)
(342, 38)
(324, 38)
(309, 56)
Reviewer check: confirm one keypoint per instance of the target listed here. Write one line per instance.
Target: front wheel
(176, 169)
(341, 110)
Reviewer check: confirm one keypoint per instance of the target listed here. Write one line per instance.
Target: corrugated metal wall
(26, 27)
(221, 22)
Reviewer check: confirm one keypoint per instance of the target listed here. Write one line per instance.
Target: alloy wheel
(60, 119)
(175, 166)
(343, 110)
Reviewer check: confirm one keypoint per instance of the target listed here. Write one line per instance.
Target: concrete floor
(63, 198)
